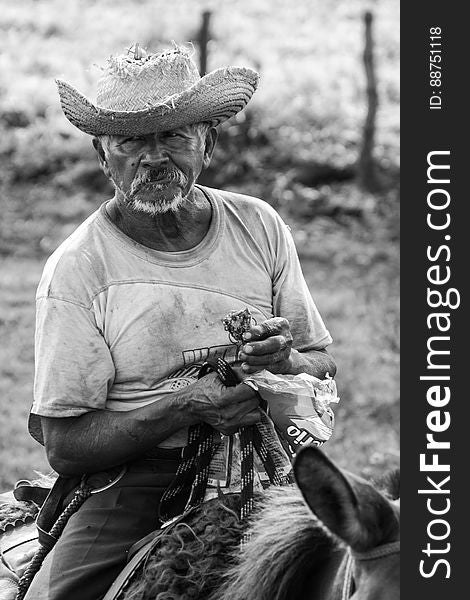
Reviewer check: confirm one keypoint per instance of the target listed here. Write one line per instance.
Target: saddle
(20, 541)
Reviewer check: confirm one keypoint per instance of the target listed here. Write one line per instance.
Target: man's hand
(267, 346)
(225, 408)
(101, 439)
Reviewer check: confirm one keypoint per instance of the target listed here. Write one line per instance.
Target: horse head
(362, 518)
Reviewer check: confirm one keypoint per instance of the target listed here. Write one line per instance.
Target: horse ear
(348, 506)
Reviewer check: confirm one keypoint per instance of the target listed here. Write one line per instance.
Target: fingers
(277, 343)
(237, 407)
(266, 360)
(269, 347)
(223, 407)
(231, 412)
(269, 328)
(280, 367)
(219, 395)
(231, 427)
(238, 395)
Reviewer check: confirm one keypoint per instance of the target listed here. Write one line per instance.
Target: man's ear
(211, 140)
(98, 146)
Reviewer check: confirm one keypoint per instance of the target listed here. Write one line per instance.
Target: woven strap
(261, 433)
(247, 471)
(195, 463)
(205, 451)
(194, 466)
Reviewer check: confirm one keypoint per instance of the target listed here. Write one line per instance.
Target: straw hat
(141, 93)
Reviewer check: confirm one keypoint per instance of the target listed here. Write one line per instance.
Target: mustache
(152, 176)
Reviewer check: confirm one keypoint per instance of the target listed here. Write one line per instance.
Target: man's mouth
(155, 183)
(160, 176)
(158, 180)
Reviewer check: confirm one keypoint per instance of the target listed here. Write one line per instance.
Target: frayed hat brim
(214, 98)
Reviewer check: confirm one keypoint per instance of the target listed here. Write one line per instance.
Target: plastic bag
(299, 405)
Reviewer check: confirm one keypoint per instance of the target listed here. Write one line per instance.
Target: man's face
(155, 172)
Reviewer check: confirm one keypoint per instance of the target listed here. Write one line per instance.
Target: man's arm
(101, 439)
(314, 362)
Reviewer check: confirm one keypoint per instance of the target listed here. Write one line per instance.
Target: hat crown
(136, 81)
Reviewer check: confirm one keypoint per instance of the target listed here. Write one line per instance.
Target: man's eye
(172, 134)
(131, 140)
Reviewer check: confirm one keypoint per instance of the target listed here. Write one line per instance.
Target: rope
(348, 581)
(79, 498)
(378, 551)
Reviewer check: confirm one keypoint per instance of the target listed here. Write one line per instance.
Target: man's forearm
(315, 362)
(101, 439)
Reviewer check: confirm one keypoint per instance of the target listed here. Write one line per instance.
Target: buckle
(119, 476)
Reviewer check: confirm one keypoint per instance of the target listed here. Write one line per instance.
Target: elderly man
(131, 305)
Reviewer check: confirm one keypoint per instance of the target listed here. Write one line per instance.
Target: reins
(378, 552)
(201, 449)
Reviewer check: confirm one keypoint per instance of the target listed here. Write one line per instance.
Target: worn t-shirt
(120, 325)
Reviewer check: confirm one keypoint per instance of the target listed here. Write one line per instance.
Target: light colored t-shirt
(120, 325)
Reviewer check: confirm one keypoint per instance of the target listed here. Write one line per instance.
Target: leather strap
(25, 491)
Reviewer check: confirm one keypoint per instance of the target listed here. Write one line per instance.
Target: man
(131, 305)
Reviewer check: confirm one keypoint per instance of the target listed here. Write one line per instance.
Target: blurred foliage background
(296, 146)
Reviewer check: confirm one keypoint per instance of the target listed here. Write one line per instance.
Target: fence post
(203, 40)
(366, 168)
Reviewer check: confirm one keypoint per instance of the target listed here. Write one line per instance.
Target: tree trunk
(203, 40)
(366, 171)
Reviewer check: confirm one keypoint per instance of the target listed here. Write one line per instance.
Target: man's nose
(154, 157)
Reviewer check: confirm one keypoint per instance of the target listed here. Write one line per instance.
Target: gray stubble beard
(159, 204)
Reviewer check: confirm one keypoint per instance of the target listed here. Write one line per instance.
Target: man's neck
(171, 231)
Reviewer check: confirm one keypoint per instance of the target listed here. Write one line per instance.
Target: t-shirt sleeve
(292, 298)
(73, 364)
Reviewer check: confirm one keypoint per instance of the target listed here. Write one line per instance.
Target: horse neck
(327, 582)
(341, 578)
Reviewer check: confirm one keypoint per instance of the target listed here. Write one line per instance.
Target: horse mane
(286, 545)
(190, 558)
(201, 558)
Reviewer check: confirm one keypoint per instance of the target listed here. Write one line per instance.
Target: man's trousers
(94, 545)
